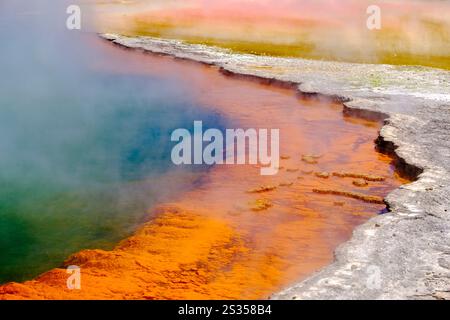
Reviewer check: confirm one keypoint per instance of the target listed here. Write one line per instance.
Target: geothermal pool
(82, 161)
(85, 168)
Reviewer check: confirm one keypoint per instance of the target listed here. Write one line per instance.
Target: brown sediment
(211, 242)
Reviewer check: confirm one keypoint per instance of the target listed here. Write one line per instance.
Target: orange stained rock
(360, 183)
(323, 175)
(354, 195)
(362, 176)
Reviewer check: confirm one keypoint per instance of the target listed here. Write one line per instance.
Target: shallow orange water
(211, 243)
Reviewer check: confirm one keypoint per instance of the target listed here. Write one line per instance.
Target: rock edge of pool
(404, 254)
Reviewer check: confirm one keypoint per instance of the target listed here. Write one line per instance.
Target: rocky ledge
(404, 254)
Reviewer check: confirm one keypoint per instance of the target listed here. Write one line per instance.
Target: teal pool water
(83, 153)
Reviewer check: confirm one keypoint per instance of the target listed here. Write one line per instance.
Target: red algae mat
(237, 234)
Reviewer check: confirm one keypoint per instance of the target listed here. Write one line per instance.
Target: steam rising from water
(413, 32)
(82, 151)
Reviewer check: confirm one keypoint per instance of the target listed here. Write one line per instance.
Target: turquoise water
(83, 153)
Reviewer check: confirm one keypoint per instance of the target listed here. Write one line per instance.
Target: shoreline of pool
(349, 268)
